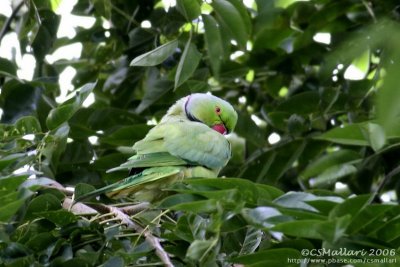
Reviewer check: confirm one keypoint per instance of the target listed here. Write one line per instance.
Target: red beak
(220, 128)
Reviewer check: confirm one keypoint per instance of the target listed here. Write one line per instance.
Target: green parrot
(188, 142)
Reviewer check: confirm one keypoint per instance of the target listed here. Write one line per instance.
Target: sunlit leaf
(190, 9)
(213, 40)
(233, 20)
(199, 248)
(252, 241)
(155, 56)
(332, 174)
(188, 63)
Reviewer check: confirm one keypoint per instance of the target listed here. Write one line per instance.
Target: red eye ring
(218, 110)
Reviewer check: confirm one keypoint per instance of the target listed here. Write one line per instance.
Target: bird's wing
(190, 141)
(133, 183)
(151, 160)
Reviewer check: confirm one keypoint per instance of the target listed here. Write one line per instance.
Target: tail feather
(106, 188)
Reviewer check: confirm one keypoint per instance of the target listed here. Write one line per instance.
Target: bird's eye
(218, 110)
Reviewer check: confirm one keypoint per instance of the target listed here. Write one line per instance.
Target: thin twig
(369, 9)
(134, 209)
(7, 24)
(126, 220)
(109, 220)
(60, 188)
(77, 208)
(152, 240)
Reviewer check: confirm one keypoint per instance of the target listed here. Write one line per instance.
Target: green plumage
(183, 145)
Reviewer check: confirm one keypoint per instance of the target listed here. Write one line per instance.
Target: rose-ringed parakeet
(188, 142)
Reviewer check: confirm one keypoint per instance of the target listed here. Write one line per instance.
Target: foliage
(265, 61)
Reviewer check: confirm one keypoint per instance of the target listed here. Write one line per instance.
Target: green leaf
(11, 183)
(59, 217)
(232, 19)
(8, 210)
(40, 241)
(42, 203)
(303, 228)
(60, 115)
(177, 199)
(298, 200)
(302, 104)
(190, 227)
(82, 189)
(155, 56)
(368, 215)
(332, 174)
(244, 13)
(250, 191)
(390, 231)
(362, 62)
(213, 40)
(332, 231)
(11, 198)
(199, 206)
(187, 64)
(55, 4)
(63, 113)
(155, 89)
(251, 241)
(55, 144)
(261, 216)
(329, 160)
(196, 86)
(15, 250)
(125, 135)
(388, 97)
(18, 99)
(199, 248)
(28, 125)
(351, 134)
(375, 134)
(46, 35)
(276, 162)
(114, 262)
(190, 9)
(277, 119)
(7, 68)
(10, 159)
(270, 257)
(103, 7)
(351, 206)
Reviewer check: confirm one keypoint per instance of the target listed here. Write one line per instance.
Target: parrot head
(212, 111)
